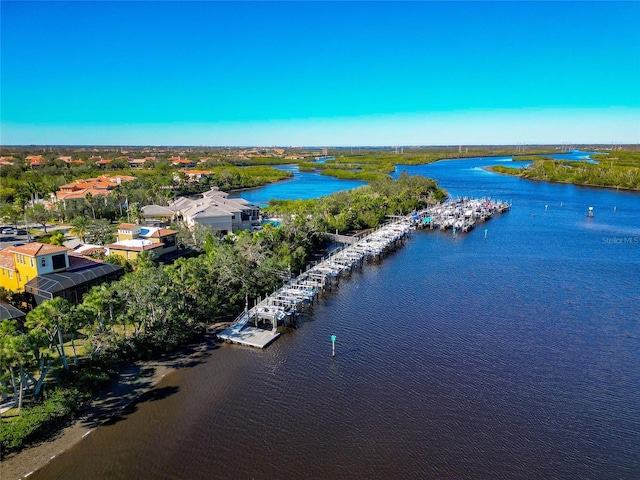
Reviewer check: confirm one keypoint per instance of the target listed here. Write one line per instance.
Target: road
(8, 240)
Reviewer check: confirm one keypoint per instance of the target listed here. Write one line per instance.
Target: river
(509, 352)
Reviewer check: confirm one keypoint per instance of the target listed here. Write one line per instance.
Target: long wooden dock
(258, 327)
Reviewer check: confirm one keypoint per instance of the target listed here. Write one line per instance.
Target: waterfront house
(45, 271)
(134, 239)
(217, 211)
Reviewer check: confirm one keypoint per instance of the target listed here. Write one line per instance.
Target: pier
(258, 326)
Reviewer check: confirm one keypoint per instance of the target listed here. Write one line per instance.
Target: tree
(51, 318)
(100, 231)
(80, 228)
(22, 350)
(135, 213)
(57, 238)
(10, 213)
(39, 215)
(88, 198)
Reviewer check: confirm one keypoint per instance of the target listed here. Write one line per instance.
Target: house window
(31, 261)
(58, 261)
(43, 261)
(10, 274)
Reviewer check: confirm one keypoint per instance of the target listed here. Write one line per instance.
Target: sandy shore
(131, 383)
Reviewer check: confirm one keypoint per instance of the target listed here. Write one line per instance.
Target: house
(139, 162)
(158, 214)
(216, 211)
(102, 185)
(18, 265)
(46, 271)
(198, 175)
(134, 239)
(35, 161)
(102, 163)
(182, 162)
(74, 282)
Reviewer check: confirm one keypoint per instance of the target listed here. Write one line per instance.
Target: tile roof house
(101, 185)
(35, 161)
(182, 162)
(46, 271)
(198, 175)
(134, 239)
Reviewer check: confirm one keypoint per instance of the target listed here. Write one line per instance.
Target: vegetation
(366, 206)
(28, 193)
(62, 353)
(620, 169)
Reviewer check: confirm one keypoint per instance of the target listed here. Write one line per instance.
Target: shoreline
(132, 382)
(560, 182)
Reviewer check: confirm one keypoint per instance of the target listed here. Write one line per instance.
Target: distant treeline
(619, 169)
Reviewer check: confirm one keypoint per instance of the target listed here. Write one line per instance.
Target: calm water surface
(302, 186)
(511, 356)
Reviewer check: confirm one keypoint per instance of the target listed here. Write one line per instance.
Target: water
(515, 356)
(303, 185)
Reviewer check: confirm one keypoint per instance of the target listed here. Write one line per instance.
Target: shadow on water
(150, 396)
(132, 387)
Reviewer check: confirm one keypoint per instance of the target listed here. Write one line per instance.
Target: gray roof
(52, 283)
(8, 312)
(212, 204)
(157, 210)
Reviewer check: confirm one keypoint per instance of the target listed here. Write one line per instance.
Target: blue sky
(319, 73)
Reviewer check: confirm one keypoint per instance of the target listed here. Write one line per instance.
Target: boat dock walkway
(258, 326)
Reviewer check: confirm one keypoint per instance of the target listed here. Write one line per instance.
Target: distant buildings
(102, 185)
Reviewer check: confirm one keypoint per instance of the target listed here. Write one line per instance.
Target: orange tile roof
(163, 232)
(34, 249)
(101, 185)
(77, 260)
(7, 260)
(81, 194)
(126, 226)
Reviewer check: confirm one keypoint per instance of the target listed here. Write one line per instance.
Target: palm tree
(80, 227)
(135, 213)
(51, 318)
(89, 199)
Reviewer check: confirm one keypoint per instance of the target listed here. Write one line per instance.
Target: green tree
(51, 317)
(88, 198)
(80, 228)
(57, 238)
(39, 215)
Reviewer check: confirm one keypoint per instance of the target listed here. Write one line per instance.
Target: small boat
(590, 212)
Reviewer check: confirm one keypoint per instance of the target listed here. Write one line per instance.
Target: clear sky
(319, 73)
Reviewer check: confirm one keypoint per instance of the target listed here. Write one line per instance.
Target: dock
(258, 327)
